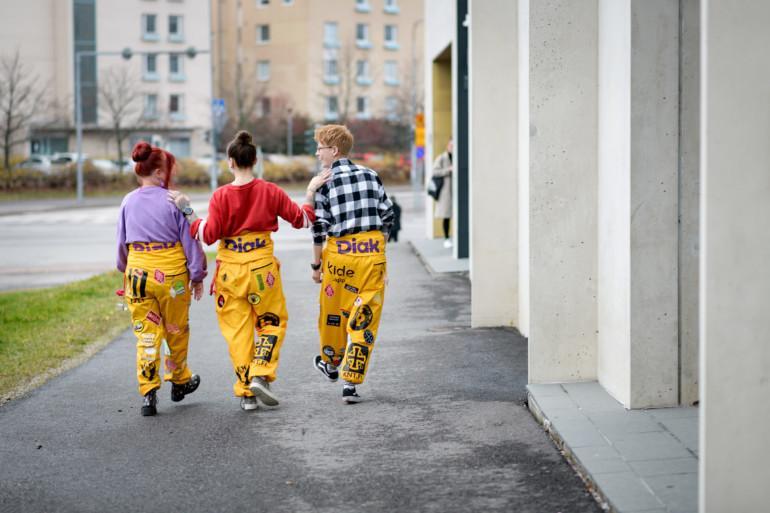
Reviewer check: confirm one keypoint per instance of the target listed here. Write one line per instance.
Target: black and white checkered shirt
(353, 201)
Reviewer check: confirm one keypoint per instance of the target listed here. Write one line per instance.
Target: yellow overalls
(158, 297)
(250, 306)
(352, 294)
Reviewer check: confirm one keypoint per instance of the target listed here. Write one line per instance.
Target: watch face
(187, 211)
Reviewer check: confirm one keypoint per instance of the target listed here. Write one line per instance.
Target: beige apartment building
(327, 59)
(165, 95)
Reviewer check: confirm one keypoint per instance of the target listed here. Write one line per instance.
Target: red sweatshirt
(253, 207)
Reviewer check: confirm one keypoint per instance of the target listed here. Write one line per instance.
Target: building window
(391, 108)
(391, 37)
(263, 71)
(150, 68)
(331, 37)
(150, 27)
(362, 36)
(179, 146)
(263, 34)
(150, 106)
(175, 28)
(331, 74)
(391, 6)
(362, 107)
(176, 107)
(263, 107)
(262, 3)
(391, 73)
(332, 108)
(176, 67)
(363, 6)
(362, 72)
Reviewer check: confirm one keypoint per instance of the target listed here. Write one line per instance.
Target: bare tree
(21, 95)
(118, 98)
(244, 97)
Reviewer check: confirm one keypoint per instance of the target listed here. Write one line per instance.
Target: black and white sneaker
(349, 394)
(179, 391)
(249, 403)
(150, 404)
(328, 370)
(261, 388)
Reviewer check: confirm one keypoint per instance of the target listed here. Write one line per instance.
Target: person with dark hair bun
(247, 281)
(163, 267)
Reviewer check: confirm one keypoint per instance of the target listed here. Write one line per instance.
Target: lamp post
(126, 53)
(289, 134)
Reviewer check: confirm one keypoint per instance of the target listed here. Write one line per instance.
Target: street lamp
(126, 53)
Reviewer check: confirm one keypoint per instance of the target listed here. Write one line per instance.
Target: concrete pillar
(689, 192)
(638, 188)
(493, 159)
(735, 242)
(523, 172)
(562, 190)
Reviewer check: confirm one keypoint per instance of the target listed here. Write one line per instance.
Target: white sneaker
(249, 403)
(261, 388)
(447, 243)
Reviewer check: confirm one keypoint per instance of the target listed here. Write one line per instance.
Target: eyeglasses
(324, 148)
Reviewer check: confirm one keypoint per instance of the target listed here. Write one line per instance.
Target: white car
(36, 162)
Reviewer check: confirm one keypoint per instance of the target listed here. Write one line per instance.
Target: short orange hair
(335, 135)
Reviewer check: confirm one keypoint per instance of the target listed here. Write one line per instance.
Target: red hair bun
(141, 152)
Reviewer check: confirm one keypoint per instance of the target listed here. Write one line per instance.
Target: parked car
(36, 162)
(124, 165)
(104, 165)
(62, 158)
(205, 160)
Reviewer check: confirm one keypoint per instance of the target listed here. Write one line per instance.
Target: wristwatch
(316, 267)
(188, 211)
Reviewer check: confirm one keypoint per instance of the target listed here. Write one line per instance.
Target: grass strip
(41, 330)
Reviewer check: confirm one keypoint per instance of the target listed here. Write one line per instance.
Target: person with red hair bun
(163, 269)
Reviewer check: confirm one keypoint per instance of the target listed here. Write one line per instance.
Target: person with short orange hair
(353, 217)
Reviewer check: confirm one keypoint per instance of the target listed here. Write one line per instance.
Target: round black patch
(268, 319)
(368, 336)
(362, 319)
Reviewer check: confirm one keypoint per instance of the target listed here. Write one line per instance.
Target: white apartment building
(165, 95)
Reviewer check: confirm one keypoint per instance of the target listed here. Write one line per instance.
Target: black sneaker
(349, 395)
(150, 404)
(261, 388)
(330, 371)
(179, 391)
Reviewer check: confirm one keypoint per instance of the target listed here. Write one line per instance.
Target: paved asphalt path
(443, 426)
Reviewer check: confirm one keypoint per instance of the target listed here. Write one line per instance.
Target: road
(443, 426)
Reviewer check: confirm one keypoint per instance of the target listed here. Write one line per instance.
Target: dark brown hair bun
(244, 137)
(242, 150)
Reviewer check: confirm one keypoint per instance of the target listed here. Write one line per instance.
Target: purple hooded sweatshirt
(146, 215)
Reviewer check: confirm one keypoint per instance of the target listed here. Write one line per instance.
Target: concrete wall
(493, 137)
(735, 242)
(562, 190)
(638, 201)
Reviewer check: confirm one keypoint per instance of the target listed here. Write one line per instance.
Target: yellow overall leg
(175, 311)
(265, 294)
(250, 302)
(364, 321)
(336, 303)
(147, 326)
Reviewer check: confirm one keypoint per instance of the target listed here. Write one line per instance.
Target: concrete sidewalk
(444, 425)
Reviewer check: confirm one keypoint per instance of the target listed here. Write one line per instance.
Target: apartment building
(163, 94)
(330, 60)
